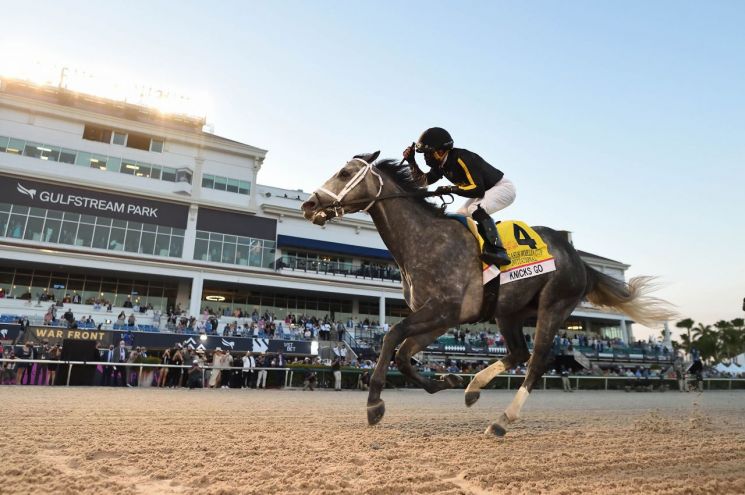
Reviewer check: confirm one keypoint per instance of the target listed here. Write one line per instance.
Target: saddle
(528, 253)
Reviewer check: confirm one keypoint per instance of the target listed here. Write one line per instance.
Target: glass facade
(226, 184)
(74, 229)
(245, 300)
(57, 286)
(52, 153)
(234, 250)
(332, 265)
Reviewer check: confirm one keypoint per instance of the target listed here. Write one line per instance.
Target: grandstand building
(103, 199)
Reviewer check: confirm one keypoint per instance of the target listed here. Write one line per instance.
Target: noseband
(337, 205)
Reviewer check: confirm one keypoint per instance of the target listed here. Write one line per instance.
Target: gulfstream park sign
(91, 203)
(100, 203)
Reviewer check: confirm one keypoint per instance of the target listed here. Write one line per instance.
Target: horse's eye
(343, 174)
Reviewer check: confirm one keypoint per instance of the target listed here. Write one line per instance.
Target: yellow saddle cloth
(527, 251)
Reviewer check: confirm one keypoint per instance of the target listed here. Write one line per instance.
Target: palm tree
(706, 340)
(687, 324)
(738, 337)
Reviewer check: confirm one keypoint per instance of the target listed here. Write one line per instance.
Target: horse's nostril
(308, 205)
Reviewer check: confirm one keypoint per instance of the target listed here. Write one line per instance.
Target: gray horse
(442, 282)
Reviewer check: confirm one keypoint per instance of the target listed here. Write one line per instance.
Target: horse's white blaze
(484, 376)
(513, 411)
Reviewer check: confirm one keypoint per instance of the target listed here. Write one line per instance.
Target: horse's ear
(368, 157)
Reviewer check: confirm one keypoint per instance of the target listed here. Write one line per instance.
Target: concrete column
(381, 310)
(626, 331)
(190, 235)
(197, 285)
(355, 308)
(183, 294)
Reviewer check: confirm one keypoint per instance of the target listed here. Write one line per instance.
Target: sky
(623, 122)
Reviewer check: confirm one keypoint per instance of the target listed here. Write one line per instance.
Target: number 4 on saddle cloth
(527, 251)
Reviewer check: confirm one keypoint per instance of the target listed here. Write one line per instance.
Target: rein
(338, 205)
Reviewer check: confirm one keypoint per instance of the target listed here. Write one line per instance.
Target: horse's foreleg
(434, 314)
(549, 319)
(375, 406)
(411, 346)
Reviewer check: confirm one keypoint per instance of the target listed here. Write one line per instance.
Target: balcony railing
(338, 268)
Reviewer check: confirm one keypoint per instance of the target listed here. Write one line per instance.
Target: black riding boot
(494, 253)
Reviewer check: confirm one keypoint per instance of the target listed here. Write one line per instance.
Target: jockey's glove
(447, 190)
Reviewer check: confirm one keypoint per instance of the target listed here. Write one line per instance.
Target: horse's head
(351, 189)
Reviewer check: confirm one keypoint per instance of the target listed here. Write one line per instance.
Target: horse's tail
(630, 298)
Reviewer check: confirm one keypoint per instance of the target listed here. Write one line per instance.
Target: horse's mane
(401, 175)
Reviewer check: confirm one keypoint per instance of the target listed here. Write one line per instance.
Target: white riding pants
(497, 198)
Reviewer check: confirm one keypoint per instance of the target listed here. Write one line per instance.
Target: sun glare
(110, 84)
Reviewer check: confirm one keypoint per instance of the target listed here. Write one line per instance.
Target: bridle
(337, 206)
(353, 182)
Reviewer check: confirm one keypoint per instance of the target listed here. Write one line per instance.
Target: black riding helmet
(434, 139)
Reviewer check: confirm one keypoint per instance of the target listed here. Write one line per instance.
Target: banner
(154, 341)
(90, 202)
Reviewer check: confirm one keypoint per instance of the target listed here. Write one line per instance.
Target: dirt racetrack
(130, 441)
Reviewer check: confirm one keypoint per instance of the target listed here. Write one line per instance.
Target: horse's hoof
(471, 398)
(375, 413)
(495, 430)
(453, 380)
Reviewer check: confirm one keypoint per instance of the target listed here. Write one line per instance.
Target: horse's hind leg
(511, 328)
(550, 317)
(411, 346)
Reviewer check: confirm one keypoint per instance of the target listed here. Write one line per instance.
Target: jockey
(485, 186)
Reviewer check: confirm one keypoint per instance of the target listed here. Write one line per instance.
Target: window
(116, 241)
(232, 185)
(98, 161)
(3, 143)
(67, 156)
(83, 159)
(168, 174)
(34, 229)
(208, 181)
(129, 167)
(132, 241)
(16, 226)
(144, 171)
(221, 183)
(51, 230)
(183, 175)
(101, 237)
(147, 243)
(156, 145)
(33, 150)
(138, 141)
(119, 138)
(67, 234)
(161, 244)
(96, 133)
(244, 187)
(177, 246)
(15, 146)
(3, 223)
(85, 234)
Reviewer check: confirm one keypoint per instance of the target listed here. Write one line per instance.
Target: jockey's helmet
(434, 139)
